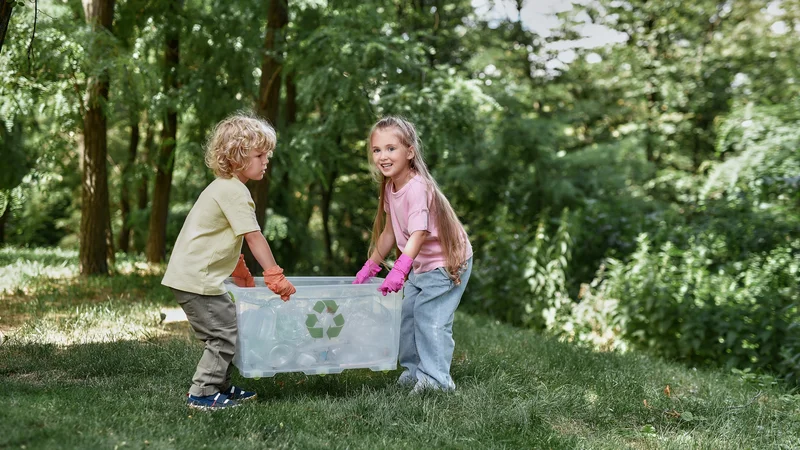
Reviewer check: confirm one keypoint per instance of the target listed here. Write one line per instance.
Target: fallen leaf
(667, 392)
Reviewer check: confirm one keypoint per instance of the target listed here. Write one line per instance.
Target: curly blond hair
(228, 148)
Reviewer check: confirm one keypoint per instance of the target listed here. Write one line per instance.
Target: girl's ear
(411, 153)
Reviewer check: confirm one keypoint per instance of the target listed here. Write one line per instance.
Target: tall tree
(165, 160)
(268, 103)
(6, 9)
(126, 185)
(143, 181)
(15, 164)
(95, 217)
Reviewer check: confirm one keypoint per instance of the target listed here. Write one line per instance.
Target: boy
(208, 248)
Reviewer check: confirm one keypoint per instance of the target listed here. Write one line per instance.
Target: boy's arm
(273, 274)
(259, 247)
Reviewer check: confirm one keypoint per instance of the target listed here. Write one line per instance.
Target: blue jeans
(426, 329)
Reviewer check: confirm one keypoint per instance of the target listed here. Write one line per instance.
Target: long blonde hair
(451, 236)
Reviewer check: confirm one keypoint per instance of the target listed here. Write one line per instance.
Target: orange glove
(241, 274)
(277, 283)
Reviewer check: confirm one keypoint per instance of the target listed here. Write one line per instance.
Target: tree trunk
(6, 9)
(269, 94)
(4, 217)
(289, 203)
(156, 243)
(291, 101)
(125, 192)
(139, 234)
(95, 215)
(325, 207)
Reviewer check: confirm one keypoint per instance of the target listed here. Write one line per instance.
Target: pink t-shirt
(409, 209)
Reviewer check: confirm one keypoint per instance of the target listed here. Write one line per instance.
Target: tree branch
(33, 33)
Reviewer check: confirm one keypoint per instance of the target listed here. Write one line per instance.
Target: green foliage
(718, 284)
(684, 132)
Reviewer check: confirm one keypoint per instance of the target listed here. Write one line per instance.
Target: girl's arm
(396, 277)
(414, 243)
(385, 244)
(260, 249)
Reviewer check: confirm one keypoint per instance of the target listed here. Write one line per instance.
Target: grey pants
(213, 318)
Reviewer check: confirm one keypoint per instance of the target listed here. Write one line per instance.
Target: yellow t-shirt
(210, 241)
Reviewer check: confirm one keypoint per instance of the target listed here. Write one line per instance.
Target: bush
(719, 283)
(676, 303)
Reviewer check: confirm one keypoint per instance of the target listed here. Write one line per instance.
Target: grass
(90, 364)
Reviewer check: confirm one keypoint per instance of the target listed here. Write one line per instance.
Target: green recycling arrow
(313, 322)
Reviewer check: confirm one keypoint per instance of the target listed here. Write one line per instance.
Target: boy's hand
(277, 283)
(397, 276)
(369, 270)
(241, 274)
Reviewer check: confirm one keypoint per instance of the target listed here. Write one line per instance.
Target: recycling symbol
(316, 322)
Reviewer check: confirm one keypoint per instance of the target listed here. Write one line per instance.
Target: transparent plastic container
(327, 326)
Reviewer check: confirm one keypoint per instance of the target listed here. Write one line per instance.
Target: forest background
(642, 194)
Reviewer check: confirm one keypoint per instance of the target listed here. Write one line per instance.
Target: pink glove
(369, 270)
(397, 276)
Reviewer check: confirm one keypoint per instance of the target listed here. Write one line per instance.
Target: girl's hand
(369, 270)
(277, 283)
(397, 276)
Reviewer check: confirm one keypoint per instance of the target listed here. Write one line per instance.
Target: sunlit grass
(102, 322)
(44, 300)
(19, 266)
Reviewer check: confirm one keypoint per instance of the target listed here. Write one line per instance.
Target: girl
(433, 242)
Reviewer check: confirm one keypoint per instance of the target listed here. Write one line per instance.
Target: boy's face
(256, 165)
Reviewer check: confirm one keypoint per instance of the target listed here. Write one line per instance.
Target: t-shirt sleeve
(418, 209)
(240, 211)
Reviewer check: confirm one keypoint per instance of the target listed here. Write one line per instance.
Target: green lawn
(121, 380)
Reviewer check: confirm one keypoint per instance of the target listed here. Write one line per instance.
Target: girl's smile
(391, 156)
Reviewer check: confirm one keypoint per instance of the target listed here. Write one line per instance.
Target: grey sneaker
(406, 379)
(423, 387)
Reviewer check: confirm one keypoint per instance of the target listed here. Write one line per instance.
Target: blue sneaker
(211, 402)
(240, 395)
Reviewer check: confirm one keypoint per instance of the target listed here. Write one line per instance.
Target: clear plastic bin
(329, 325)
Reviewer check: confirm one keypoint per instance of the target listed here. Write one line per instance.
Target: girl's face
(390, 155)
(256, 165)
